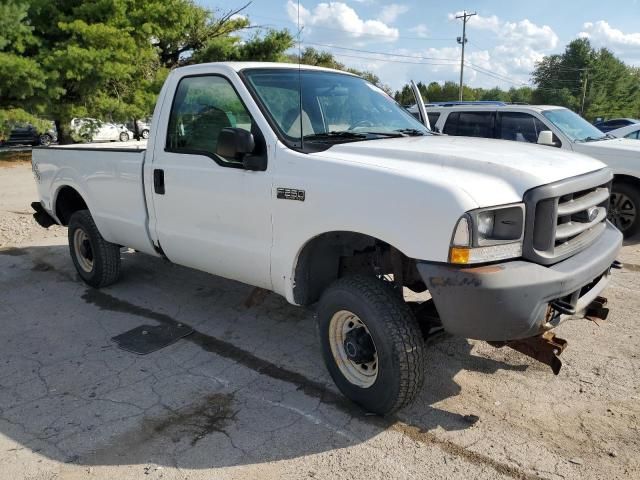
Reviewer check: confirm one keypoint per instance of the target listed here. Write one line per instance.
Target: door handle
(158, 181)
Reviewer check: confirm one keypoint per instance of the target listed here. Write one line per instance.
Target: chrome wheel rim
(124, 137)
(353, 349)
(622, 211)
(145, 134)
(83, 250)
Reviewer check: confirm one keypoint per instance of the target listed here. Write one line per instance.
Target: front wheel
(624, 208)
(96, 260)
(371, 344)
(124, 137)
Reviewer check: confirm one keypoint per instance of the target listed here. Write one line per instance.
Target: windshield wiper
(395, 134)
(335, 135)
(412, 132)
(592, 139)
(348, 135)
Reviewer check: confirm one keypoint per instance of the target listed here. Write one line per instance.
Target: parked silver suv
(551, 126)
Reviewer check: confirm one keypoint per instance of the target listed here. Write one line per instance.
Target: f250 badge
(290, 194)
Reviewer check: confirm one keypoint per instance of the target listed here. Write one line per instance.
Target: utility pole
(584, 91)
(462, 40)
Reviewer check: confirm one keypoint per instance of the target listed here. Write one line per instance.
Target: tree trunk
(136, 130)
(64, 132)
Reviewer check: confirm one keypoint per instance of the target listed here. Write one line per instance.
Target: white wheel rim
(361, 374)
(82, 248)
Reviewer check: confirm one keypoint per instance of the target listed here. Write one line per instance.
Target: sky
(403, 40)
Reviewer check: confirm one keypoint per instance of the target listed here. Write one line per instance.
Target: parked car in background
(126, 134)
(556, 127)
(27, 134)
(97, 131)
(630, 131)
(614, 124)
(144, 128)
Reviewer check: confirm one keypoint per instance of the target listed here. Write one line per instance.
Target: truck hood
(491, 172)
(605, 149)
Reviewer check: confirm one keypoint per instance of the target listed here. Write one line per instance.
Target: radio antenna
(300, 79)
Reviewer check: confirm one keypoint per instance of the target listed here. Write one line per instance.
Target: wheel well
(627, 179)
(68, 202)
(333, 255)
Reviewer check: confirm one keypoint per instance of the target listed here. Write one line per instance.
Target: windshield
(573, 125)
(335, 107)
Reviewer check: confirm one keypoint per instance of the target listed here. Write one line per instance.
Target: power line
(429, 61)
(424, 60)
(420, 57)
(366, 34)
(388, 60)
(497, 76)
(436, 61)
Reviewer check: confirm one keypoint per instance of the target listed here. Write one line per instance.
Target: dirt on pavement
(247, 395)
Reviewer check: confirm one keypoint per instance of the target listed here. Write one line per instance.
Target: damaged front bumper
(519, 299)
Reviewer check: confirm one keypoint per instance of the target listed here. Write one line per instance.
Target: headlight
(488, 235)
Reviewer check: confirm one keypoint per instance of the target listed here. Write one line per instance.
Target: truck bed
(107, 146)
(109, 177)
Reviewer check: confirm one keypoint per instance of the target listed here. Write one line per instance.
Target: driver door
(210, 213)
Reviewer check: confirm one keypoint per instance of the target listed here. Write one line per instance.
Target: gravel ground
(247, 395)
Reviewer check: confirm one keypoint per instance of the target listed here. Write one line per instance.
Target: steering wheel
(361, 123)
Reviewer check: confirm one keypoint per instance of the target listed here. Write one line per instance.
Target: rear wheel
(45, 139)
(124, 137)
(96, 260)
(624, 208)
(145, 134)
(371, 343)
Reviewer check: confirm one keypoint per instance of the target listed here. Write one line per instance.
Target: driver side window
(202, 107)
(634, 135)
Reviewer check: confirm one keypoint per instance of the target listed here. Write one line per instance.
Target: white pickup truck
(316, 185)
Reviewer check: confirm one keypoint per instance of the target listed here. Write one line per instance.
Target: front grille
(565, 217)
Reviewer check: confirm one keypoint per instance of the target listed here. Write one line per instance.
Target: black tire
(105, 256)
(124, 137)
(45, 140)
(624, 208)
(145, 134)
(396, 337)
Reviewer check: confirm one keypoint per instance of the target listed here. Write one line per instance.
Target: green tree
(94, 59)
(268, 48)
(105, 58)
(22, 79)
(180, 28)
(612, 88)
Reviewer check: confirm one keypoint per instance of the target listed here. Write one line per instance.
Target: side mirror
(239, 144)
(545, 137)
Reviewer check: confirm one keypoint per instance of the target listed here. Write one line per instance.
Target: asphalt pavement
(247, 395)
